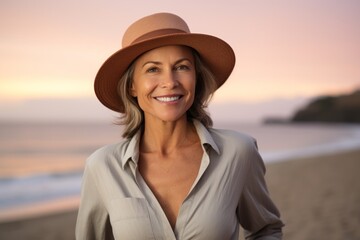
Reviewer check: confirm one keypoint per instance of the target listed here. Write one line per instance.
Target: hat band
(157, 33)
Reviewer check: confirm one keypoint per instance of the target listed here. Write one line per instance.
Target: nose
(169, 80)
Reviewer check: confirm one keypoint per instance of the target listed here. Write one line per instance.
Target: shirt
(229, 190)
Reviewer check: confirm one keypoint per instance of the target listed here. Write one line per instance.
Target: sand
(318, 197)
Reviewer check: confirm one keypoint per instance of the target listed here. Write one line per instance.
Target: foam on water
(38, 188)
(310, 151)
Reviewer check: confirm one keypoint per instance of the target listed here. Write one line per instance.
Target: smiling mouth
(168, 99)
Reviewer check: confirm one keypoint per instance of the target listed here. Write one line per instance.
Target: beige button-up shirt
(229, 190)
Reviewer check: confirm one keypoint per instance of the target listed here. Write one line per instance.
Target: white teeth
(167, 99)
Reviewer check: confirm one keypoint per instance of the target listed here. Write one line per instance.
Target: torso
(170, 177)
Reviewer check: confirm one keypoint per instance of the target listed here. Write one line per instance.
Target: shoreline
(317, 196)
(40, 209)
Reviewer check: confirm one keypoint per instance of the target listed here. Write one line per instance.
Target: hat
(155, 31)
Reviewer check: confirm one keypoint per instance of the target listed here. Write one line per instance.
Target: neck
(165, 137)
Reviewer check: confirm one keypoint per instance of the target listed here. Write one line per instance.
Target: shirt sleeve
(93, 219)
(256, 212)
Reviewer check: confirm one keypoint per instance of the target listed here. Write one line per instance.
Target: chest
(177, 201)
(170, 178)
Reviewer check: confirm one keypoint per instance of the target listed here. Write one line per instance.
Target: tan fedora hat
(155, 31)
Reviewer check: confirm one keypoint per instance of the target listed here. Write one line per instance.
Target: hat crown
(155, 25)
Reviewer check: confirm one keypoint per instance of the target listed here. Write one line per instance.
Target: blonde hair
(133, 117)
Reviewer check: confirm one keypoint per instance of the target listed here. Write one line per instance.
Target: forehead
(171, 53)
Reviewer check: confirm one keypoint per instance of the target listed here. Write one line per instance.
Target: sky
(286, 51)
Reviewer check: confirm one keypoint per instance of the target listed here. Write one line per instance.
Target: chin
(171, 117)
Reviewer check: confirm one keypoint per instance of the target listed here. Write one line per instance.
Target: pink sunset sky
(286, 50)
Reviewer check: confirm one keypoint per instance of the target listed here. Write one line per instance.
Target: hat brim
(214, 52)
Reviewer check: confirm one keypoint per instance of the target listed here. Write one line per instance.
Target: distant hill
(334, 109)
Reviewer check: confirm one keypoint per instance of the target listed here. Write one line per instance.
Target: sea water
(42, 162)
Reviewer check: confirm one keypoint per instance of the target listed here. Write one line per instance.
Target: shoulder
(238, 148)
(109, 154)
(235, 146)
(232, 138)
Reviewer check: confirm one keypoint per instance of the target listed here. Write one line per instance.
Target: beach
(318, 198)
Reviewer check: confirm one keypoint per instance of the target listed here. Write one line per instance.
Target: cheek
(143, 89)
(191, 86)
(133, 91)
(144, 95)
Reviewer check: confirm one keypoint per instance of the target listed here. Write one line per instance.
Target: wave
(311, 151)
(348, 142)
(38, 188)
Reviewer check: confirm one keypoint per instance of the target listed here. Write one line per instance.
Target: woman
(173, 176)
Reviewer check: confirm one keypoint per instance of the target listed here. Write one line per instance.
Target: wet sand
(318, 198)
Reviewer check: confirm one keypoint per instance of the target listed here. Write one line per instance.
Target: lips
(168, 98)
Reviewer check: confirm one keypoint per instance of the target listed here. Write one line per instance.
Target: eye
(182, 67)
(152, 69)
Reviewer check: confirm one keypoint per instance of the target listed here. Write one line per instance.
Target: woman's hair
(133, 117)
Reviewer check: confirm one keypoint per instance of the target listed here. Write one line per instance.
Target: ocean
(42, 162)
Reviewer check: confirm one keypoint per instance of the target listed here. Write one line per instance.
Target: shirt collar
(205, 136)
(132, 149)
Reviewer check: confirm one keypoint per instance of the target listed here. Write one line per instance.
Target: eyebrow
(159, 63)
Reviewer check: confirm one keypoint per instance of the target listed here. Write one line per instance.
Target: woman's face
(164, 82)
